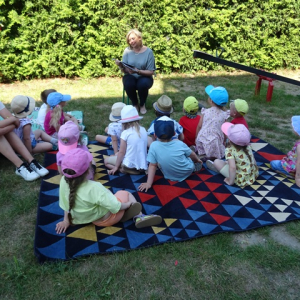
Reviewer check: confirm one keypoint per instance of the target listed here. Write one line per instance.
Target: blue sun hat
(296, 124)
(218, 95)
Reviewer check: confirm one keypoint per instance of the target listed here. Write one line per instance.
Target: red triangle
(254, 140)
(187, 202)
(52, 167)
(219, 218)
(172, 182)
(200, 194)
(209, 206)
(204, 177)
(156, 177)
(221, 197)
(212, 185)
(52, 152)
(168, 193)
(192, 183)
(145, 197)
(270, 157)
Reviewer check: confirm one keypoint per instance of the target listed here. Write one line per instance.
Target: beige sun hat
(22, 106)
(129, 114)
(163, 105)
(115, 114)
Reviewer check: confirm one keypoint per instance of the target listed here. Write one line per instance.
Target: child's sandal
(142, 220)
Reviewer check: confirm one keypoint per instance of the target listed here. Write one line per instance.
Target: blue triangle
(266, 206)
(267, 177)
(205, 227)
(112, 240)
(232, 209)
(127, 223)
(50, 228)
(136, 238)
(185, 223)
(249, 192)
(150, 209)
(262, 222)
(243, 222)
(136, 184)
(255, 212)
(112, 177)
(53, 208)
(275, 182)
(225, 228)
(54, 192)
(259, 163)
(163, 238)
(94, 248)
(296, 190)
(55, 250)
(191, 233)
(297, 210)
(114, 190)
(196, 214)
(232, 189)
(134, 178)
(175, 231)
(110, 152)
(115, 248)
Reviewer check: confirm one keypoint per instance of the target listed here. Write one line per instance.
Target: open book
(125, 65)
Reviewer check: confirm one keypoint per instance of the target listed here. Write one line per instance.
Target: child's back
(238, 109)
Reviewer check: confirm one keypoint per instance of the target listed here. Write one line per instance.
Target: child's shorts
(108, 141)
(123, 197)
(33, 143)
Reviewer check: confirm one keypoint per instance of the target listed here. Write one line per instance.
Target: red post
(270, 87)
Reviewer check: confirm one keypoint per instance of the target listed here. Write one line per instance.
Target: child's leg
(8, 152)
(277, 166)
(110, 162)
(219, 164)
(42, 147)
(104, 139)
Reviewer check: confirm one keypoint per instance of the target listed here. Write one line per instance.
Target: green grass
(212, 267)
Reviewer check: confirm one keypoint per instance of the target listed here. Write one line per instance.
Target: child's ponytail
(55, 117)
(134, 124)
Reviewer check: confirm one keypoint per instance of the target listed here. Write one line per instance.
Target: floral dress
(289, 161)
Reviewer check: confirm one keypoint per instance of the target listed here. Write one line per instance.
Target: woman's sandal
(131, 212)
(142, 220)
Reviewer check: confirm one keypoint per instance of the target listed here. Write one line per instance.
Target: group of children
(177, 148)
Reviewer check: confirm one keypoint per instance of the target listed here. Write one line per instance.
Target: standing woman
(140, 78)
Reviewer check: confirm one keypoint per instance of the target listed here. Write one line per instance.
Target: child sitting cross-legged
(85, 201)
(175, 159)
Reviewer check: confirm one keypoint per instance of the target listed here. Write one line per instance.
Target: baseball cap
(218, 95)
(241, 106)
(190, 105)
(77, 160)
(164, 127)
(296, 124)
(68, 136)
(22, 106)
(55, 98)
(238, 133)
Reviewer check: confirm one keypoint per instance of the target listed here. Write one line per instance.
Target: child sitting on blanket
(68, 139)
(36, 141)
(85, 201)
(56, 117)
(113, 129)
(44, 108)
(175, 159)
(238, 109)
(240, 165)
(132, 155)
(290, 164)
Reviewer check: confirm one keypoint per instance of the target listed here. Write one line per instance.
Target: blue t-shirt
(173, 158)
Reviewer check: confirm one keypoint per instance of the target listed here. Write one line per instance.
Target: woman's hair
(244, 148)
(55, 117)
(135, 124)
(136, 32)
(45, 93)
(73, 184)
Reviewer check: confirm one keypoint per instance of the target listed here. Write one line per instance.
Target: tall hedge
(42, 39)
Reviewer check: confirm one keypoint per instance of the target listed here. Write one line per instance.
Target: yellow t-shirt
(92, 201)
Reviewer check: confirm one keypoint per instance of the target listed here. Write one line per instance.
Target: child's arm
(199, 125)
(62, 226)
(114, 143)
(26, 137)
(232, 172)
(297, 174)
(70, 118)
(151, 173)
(181, 136)
(120, 157)
(195, 158)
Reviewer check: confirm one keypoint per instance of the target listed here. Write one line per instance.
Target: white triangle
(287, 202)
(263, 193)
(269, 187)
(272, 199)
(257, 199)
(281, 207)
(258, 146)
(243, 200)
(280, 217)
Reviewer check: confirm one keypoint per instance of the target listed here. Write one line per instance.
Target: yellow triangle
(158, 229)
(102, 181)
(258, 146)
(55, 179)
(105, 156)
(99, 175)
(254, 186)
(110, 230)
(95, 148)
(288, 184)
(264, 168)
(278, 177)
(86, 233)
(170, 221)
(261, 181)
(97, 160)
(98, 170)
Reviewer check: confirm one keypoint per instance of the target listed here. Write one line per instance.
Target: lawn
(250, 265)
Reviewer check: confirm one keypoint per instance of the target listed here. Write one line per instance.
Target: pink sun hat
(68, 136)
(238, 133)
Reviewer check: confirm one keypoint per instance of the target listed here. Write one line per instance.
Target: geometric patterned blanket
(201, 205)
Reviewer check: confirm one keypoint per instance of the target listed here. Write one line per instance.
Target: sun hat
(191, 105)
(241, 106)
(238, 133)
(115, 114)
(22, 106)
(77, 160)
(129, 114)
(55, 98)
(218, 94)
(164, 126)
(68, 136)
(163, 105)
(296, 124)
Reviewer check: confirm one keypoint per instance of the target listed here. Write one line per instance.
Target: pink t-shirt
(50, 129)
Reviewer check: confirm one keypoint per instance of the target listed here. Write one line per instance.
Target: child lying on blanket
(175, 159)
(290, 164)
(86, 201)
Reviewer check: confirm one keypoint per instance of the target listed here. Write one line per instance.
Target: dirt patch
(246, 239)
(281, 236)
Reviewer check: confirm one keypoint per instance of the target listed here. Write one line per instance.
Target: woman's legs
(143, 85)
(129, 83)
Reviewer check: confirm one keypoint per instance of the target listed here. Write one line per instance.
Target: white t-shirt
(42, 114)
(115, 129)
(136, 152)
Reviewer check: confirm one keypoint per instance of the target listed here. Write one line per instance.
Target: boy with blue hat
(175, 159)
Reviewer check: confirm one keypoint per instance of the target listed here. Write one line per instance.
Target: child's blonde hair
(135, 124)
(55, 117)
